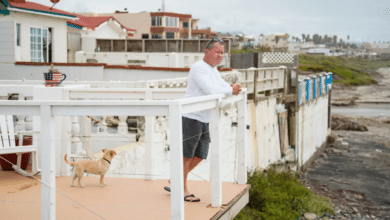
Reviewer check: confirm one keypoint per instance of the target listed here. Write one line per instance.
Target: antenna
(163, 6)
(55, 2)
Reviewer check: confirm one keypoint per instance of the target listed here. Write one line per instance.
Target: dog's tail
(67, 161)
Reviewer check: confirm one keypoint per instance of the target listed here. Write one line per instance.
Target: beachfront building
(160, 25)
(32, 32)
(380, 47)
(84, 33)
(277, 42)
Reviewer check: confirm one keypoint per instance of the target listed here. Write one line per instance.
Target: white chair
(8, 146)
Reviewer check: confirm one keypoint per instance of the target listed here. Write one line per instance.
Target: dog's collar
(109, 162)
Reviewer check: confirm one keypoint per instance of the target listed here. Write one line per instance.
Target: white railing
(229, 77)
(267, 79)
(49, 110)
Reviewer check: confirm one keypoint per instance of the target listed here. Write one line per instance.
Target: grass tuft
(278, 196)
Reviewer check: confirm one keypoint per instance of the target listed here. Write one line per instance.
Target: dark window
(17, 34)
(156, 21)
(145, 36)
(185, 25)
(156, 36)
(170, 35)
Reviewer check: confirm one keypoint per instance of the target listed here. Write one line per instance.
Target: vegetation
(281, 196)
(353, 71)
(247, 49)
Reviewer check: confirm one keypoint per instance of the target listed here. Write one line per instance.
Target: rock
(354, 210)
(372, 216)
(338, 142)
(335, 151)
(326, 218)
(344, 145)
(358, 215)
(331, 138)
(324, 155)
(310, 216)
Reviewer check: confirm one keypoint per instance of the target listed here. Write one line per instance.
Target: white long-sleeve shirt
(204, 79)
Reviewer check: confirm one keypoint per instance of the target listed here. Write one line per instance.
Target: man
(203, 79)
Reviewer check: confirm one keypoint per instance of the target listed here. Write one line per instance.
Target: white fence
(50, 110)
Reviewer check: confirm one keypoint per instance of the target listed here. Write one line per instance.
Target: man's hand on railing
(236, 88)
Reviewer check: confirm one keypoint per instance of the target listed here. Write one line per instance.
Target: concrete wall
(27, 20)
(313, 127)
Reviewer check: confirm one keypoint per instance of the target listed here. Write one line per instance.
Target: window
(185, 25)
(156, 21)
(170, 35)
(170, 22)
(17, 34)
(156, 36)
(39, 44)
(145, 36)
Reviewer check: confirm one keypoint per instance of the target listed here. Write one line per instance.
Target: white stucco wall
(27, 20)
(313, 127)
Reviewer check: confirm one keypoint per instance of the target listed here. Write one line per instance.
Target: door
(39, 44)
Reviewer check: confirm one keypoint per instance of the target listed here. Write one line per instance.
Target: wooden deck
(122, 198)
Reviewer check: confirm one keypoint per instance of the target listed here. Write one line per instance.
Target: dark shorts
(196, 138)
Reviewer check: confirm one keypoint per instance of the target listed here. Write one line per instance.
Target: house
(277, 42)
(84, 32)
(380, 48)
(160, 25)
(32, 32)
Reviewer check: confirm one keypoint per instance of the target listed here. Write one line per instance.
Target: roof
(171, 14)
(93, 22)
(37, 8)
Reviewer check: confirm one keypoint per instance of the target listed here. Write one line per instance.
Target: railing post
(176, 142)
(102, 126)
(241, 139)
(76, 143)
(20, 125)
(122, 127)
(149, 131)
(215, 155)
(47, 155)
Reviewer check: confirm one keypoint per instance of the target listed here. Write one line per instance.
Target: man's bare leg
(194, 162)
(188, 165)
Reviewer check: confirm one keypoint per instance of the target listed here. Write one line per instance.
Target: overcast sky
(363, 20)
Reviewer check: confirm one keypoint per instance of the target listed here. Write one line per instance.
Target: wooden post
(215, 161)
(176, 142)
(256, 75)
(241, 139)
(47, 155)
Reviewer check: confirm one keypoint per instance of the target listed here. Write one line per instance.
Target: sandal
(167, 188)
(190, 200)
